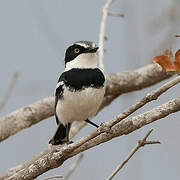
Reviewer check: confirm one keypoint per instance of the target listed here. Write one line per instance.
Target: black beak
(91, 50)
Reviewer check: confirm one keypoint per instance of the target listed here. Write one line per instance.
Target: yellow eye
(76, 50)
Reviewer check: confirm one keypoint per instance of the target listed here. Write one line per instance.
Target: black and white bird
(79, 91)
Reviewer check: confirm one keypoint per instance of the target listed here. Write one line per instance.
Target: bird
(79, 91)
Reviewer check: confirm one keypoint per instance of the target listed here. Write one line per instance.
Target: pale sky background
(33, 37)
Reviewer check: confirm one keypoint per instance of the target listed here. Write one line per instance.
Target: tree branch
(102, 33)
(56, 155)
(149, 97)
(26, 117)
(140, 144)
(74, 130)
(117, 84)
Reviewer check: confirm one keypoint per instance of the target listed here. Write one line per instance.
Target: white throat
(83, 61)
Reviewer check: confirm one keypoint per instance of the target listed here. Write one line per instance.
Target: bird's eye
(76, 50)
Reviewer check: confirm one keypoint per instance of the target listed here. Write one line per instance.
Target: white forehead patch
(83, 45)
(86, 45)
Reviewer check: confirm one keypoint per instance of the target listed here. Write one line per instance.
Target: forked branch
(140, 144)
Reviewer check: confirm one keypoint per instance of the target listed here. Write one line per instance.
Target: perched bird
(79, 91)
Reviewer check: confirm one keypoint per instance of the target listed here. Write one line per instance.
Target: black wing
(58, 95)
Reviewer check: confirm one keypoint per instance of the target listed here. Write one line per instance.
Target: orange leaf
(165, 62)
(177, 61)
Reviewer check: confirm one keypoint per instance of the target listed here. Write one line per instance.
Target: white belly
(79, 105)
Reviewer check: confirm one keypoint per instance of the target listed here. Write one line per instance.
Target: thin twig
(140, 144)
(102, 33)
(149, 97)
(53, 177)
(9, 90)
(115, 14)
(73, 167)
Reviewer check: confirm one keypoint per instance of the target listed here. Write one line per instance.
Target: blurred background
(33, 38)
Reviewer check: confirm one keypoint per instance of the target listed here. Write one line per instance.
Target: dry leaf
(165, 62)
(177, 61)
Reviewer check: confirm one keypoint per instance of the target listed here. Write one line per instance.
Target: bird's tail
(60, 136)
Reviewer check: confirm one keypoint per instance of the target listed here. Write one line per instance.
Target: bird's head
(82, 54)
